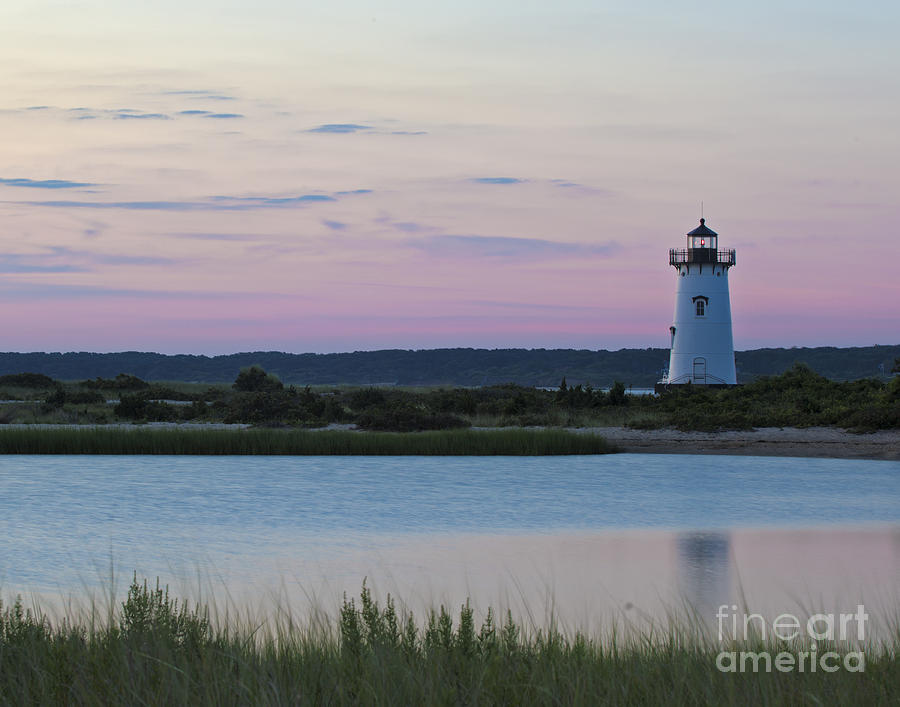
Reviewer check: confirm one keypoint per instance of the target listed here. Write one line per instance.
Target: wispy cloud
(13, 263)
(409, 132)
(511, 248)
(210, 114)
(404, 226)
(94, 229)
(334, 225)
(131, 205)
(497, 180)
(339, 128)
(411, 227)
(275, 200)
(44, 183)
(575, 188)
(123, 115)
(83, 113)
(95, 258)
(216, 236)
(59, 259)
(11, 289)
(214, 203)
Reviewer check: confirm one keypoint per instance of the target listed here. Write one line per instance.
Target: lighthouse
(702, 346)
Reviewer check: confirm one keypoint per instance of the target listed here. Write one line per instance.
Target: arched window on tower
(701, 304)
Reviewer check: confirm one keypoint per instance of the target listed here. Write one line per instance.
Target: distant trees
(452, 367)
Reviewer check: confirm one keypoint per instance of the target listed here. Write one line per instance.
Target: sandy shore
(766, 441)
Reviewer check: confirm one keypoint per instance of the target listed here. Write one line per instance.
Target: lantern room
(702, 237)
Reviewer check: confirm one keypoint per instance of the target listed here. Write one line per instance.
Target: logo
(753, 629)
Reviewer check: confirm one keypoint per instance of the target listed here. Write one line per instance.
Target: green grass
(31, 413)
(100, 440)
(152, 649)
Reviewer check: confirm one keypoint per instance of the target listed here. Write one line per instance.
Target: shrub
(123, 381)
(85, 397)
(27, 380)
(141, 408)
(149, 617)
(366, 398)
(255, 380)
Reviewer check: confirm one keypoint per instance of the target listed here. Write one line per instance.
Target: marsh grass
(141, 440)
(152, 649)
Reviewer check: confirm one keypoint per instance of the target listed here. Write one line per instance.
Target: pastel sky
(211, 177)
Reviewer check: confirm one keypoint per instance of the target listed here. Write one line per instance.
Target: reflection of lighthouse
(704, 561)
(702, 347)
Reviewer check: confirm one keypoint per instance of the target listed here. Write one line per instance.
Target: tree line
(459, 367)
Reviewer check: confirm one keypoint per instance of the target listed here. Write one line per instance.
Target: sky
(213, 177)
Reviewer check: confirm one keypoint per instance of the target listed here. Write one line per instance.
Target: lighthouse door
(700, 369)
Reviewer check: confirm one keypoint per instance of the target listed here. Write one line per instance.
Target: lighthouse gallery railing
(697, 255)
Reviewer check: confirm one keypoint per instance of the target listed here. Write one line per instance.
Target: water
(594, 533)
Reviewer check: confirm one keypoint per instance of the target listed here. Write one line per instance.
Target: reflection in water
(704, 561)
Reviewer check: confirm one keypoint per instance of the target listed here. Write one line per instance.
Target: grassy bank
(152, 650)
(797, 398)
(99, 440)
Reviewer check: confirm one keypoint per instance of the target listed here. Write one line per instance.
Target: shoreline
(821, 442)
(818, 442)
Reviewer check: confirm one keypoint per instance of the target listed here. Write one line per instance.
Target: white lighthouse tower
(702, 347)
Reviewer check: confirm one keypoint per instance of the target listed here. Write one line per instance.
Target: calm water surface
(593, 532)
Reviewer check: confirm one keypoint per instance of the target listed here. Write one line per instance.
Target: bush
(85, 397)
(366, 398)
(27, 380)
(140, 408)
(123, 381)
(150, 618)
(616, 395)
(61, 395)
(255, 380)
